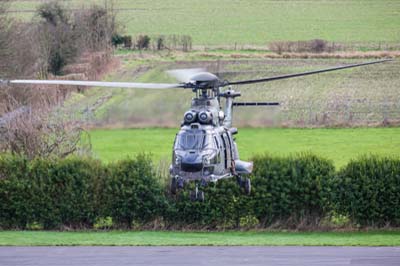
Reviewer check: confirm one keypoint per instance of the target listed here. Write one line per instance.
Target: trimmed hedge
(48, 192)
(287, 192)
(132, 193)
(368, 191)
(291, 190)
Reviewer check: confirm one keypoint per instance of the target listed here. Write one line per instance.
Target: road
(218, 256)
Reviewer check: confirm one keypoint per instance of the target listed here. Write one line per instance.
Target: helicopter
(204, 149)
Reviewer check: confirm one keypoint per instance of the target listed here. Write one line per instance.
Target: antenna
(256, 104)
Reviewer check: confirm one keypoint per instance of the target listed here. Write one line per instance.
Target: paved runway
(216, 256)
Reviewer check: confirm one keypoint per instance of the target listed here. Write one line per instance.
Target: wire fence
(353, 112)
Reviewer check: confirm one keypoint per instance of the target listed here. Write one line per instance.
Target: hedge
(368, 191)
(291, 190)
(287, 192)
(132, 193)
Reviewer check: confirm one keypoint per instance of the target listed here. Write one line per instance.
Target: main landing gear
(176, 183)
(244, 183)
(195, 195)
(198, 195)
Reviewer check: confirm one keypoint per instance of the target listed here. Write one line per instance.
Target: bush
(311, 46)
(14, 203)
(64, 192)
(290, 191)
(223, 208)
(52, 193)
(133, 193)
(143, 42)
(368, 191)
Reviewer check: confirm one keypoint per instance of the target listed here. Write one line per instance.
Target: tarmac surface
(218, 256)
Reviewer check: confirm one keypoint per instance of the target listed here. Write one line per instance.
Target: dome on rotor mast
(205, 79)
(204, 76)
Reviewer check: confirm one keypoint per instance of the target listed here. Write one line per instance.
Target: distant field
(129, 238)
(339, 145)
(226, 22)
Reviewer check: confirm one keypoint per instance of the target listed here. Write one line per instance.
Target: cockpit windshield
(194, 141)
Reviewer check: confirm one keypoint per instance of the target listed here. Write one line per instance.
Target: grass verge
(165, 238)
(339, 145)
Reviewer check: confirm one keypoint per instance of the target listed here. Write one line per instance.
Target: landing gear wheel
(197, 195)
(180, 183)
(239, 180)
(247, 186)
(193, 195)
(174, 185)
(200, 196)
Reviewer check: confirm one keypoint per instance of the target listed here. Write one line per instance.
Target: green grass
(124, 238)
(226, 22)
(339, 145)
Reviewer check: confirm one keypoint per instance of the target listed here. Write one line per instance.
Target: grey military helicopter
(204, 149)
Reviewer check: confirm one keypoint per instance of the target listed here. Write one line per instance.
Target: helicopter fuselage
(204, 148)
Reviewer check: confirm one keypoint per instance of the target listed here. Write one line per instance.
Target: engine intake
(189, 117)
(205, 117)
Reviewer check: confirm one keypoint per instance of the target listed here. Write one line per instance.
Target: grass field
(226, 22)
(121, 238)
(339, 145)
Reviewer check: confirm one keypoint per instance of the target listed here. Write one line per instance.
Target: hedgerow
(291, 190)
(132, 193)
(288, 192)
(368, 191)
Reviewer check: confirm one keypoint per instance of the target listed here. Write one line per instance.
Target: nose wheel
(176, 183)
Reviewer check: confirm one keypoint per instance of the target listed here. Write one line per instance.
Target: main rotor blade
(251, 81)
(96, 84)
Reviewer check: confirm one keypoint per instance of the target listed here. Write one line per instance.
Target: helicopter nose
(192, 162)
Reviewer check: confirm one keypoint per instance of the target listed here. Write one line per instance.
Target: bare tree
(95, 27)
(32, 119)
(6, 51)
(56, 38)
(45, 131)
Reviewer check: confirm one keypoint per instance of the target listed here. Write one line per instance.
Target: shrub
(223, 208)
(368, 191)
(48, 192)
(14, 203)
(64, 192)
(132, 192)
(290, 190)
(118, 40)
(311, 46)
(143, 42)
(318, 46)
